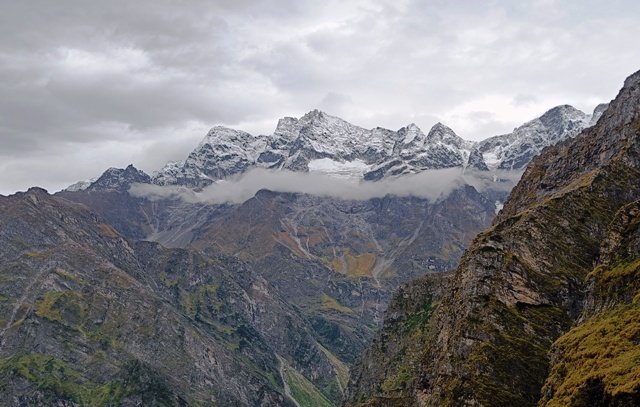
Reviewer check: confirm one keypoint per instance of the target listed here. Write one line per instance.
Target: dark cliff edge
(544, 306)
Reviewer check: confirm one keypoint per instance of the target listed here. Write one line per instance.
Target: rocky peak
(476, 161)
(37, 191)
(410, 135)
(33, 194)
(223, 152)
(118, 179)
(335, 131)
(81, 185)
(561, 114)
(287, 128)
(224, 140)
(633, 80)
(444, 134)
(315, 116)
(597, 112)
(513, 151)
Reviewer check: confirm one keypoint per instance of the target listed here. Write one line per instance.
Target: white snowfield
(341, 169)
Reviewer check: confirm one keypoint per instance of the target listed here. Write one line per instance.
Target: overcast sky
(86, 85)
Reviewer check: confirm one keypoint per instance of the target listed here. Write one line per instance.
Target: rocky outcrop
(476, 161)
(116, 179)
(381, 377)
(89, 318)
(521, 285)
(596, 362)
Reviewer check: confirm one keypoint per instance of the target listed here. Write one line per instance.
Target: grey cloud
(432, 185)
(144, 69)
(524, 100)
(336, 102)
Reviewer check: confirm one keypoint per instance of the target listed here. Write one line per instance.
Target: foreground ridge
(486, 339)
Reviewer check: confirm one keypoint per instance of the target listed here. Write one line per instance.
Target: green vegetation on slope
(330, 303)
(58, 381)
(302, 390)
(598, 359)
(341, 369)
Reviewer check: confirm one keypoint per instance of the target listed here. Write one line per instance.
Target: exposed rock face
(223, 152)
(89, 318)
(596, 362)
(381, 375)
(476, 161)
(521, 286)
(116, 179)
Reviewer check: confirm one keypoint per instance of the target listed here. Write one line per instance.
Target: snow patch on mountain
(81, 185)
(341, 169)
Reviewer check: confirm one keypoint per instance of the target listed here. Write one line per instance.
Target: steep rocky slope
(89, 318)
(386, 369)
(521, 286)
(336, 261)
(598, 361)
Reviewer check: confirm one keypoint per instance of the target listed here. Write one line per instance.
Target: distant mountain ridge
(516, 149)
(323, 143)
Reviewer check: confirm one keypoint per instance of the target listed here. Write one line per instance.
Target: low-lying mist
(431, 185)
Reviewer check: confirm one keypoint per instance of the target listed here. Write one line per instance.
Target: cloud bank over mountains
(90, 85)
(431, 185)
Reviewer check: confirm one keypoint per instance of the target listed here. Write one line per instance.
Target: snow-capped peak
(513, 151)
(597, 113)
(318, 141)
(118, 179)
(444, 134)
(411, 133)
(81, 185)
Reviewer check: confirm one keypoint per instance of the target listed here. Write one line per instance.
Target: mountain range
(111, 297)
(318, 142)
